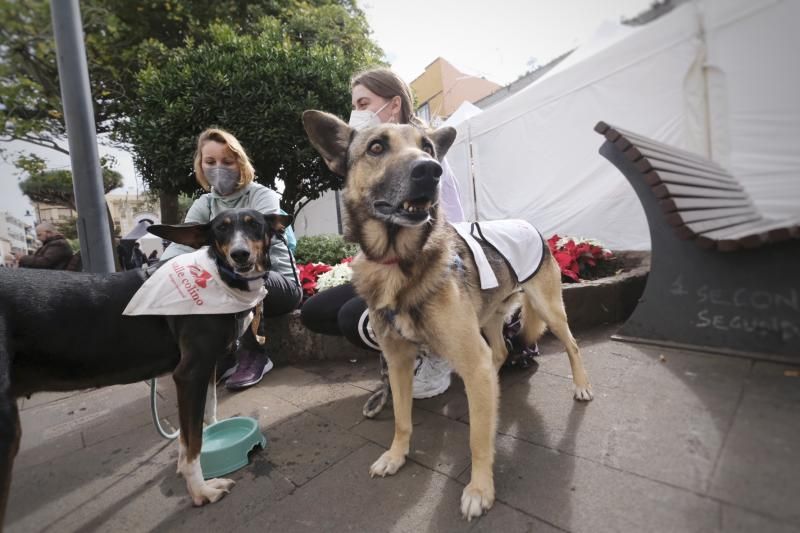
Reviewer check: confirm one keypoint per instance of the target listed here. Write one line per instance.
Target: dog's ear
(277, 221)
(330, 136)
(194, 235)
(443, 139)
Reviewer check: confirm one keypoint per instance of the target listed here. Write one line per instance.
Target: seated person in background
(137, 258)
(152, 258)
(54, 253)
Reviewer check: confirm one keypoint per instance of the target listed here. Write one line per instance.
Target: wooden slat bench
(723, 277)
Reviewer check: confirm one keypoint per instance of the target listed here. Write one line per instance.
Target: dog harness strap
(390, 316)
(458, 265)
(223, 268)
(485, 272)
(519, 243)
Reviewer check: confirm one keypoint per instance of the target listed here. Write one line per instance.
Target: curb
(607, 300)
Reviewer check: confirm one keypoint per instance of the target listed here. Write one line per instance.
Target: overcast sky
(498, 39)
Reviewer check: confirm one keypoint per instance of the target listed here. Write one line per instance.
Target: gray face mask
(223, 180)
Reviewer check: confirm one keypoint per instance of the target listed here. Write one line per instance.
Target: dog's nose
(426, 170)
(240, 255)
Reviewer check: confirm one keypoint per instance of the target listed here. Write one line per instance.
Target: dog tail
(543, 305)
(532, 324)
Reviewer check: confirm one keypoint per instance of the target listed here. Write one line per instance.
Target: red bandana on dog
(190, 284)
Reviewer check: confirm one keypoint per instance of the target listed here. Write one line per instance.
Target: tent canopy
(139, 231)
(711, 77)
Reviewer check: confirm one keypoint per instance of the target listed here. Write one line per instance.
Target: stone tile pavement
(674, 441)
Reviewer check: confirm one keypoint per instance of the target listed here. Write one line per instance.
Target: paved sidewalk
(674, 441)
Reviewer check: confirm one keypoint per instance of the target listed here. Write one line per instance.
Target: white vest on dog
(516, 240)
(190, 284)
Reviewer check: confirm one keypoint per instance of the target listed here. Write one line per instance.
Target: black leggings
(339, 311)
(283, 296)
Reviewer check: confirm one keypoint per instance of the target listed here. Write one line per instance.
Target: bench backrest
(699, 198)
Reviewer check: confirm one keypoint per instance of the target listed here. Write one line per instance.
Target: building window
(424, 112)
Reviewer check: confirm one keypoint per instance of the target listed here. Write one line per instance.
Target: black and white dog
(63, 331)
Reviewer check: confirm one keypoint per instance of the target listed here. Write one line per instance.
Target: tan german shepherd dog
(422, 287)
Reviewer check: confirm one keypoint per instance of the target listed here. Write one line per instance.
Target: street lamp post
(93, 230)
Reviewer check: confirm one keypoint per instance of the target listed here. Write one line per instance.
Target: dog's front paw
(583, 394)
(387, 464)
(211, 491)
(475, 500)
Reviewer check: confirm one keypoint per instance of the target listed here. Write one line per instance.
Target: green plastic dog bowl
(227, 443)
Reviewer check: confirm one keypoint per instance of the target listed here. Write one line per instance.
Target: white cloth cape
(190, 284)
(516, 240)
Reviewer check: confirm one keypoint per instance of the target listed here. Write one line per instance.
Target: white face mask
(363, 119)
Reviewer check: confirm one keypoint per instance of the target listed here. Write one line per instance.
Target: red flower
(309, 274)
(576, 259)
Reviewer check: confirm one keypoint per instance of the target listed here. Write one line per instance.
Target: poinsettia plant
(315, 277)
(309, 273)
(579, 258)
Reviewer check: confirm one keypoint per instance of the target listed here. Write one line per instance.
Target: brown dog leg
(481, 385)
(543, 299)
(255, 325)
(400, 356)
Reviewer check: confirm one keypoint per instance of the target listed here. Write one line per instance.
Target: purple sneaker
(250, 369)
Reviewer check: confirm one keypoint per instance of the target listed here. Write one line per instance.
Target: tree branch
(38, 141)
(300, 205)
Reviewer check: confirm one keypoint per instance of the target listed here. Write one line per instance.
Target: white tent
(717, 77)
(465, 110)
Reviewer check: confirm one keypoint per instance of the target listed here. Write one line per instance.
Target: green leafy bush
(328, 249)
(256, 86)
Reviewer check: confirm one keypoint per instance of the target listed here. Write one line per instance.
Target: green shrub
(329, 249)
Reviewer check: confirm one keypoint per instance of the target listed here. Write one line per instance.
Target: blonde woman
(222, 168)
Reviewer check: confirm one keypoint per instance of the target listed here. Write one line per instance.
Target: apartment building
(442, 88)
(127, 209)
(15, 235)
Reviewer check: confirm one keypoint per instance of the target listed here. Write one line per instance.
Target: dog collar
(388, 262)
(235, 275)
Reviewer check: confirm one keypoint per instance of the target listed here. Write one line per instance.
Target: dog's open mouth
(412, 209)
(244, 269)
